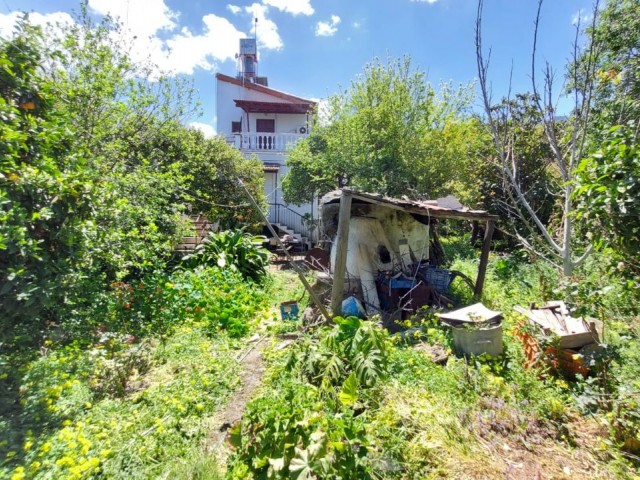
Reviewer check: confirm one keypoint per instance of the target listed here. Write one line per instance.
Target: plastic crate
(438, 278)
(289, 310)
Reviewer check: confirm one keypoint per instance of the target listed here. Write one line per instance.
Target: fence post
(342, 243)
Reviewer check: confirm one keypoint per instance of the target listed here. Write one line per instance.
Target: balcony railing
(265, 142)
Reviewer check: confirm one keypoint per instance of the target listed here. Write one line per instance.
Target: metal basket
(438, 278)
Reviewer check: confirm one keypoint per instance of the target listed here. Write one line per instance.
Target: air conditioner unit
(302, 130)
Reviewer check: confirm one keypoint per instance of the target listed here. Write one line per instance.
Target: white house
(262, 121)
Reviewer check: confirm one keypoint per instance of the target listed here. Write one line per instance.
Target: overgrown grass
(124, 405)
(422, 420)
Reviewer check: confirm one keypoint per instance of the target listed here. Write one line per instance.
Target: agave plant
(236, 249)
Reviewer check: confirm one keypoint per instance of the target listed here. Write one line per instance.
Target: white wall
(227, 112)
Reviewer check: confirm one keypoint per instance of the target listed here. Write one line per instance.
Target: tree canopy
(389, 132)
(96, 173)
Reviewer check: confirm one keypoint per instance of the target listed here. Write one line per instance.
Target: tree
(608, 189)
(522, 125)
(608, 182)
(45, 194)
(389, 132)
(617, 79)
(96, 171)
(566, 141)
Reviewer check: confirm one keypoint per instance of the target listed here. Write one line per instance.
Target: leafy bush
(96, 171)
(235, 249)
(608, 191)
(292, 433)
(219, 297)
(353, 352)
(311, 424)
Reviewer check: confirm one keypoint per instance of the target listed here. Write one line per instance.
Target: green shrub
(219, 297)
(291, 432)
(235, 249)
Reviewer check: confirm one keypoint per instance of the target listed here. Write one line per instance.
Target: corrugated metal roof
(428, 208)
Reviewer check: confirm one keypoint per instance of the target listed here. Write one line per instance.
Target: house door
(266, 126)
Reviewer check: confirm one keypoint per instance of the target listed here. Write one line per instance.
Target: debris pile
(558, 338)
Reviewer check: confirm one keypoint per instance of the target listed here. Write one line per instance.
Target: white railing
(265, 142)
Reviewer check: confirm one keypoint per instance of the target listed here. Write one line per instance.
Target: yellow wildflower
(65, 462)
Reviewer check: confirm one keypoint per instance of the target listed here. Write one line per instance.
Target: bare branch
(583, 257)
(530, 248)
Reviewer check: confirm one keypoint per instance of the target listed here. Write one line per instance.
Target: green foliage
(353, 350)
(237, 250)
(389, 120)
(75, 422)
(45, 195)
(211, 169)
(310, 429)
(218, 297)
(96, 173)
(608, 189)
(290, 433)
(617, 84)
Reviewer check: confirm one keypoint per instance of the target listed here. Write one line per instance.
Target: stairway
(299, 243)
(290, 222)
(201, 228)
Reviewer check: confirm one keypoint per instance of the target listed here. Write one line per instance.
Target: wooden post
(484, 257)
(342, 241)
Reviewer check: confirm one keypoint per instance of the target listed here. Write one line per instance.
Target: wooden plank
(426, 211)
(484, 258)
(342, 241)
(548, 320)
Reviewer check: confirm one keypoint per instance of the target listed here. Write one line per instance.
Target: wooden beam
(484, 257)
(342, 243)
(293, 264)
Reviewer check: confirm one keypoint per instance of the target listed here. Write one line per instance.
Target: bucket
(476, 341)
(352, 307)
(289, 310)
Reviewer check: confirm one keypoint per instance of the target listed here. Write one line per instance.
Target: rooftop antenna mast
(255, 37)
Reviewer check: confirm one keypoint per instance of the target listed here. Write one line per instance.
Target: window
(236, 127)
(265, 125)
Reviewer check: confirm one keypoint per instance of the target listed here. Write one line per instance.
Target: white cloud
(328, 29)
(188, 51)
(142, 18)
(205, 128)
(152, 33)
(177, 51)
(294, 7)
(581, 17)
(268, 35)
(8, 21)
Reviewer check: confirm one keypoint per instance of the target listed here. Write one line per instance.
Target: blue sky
(312, 47)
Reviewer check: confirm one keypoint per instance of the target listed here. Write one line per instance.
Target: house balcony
(264, 142)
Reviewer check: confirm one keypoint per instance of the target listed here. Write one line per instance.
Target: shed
(371, 232)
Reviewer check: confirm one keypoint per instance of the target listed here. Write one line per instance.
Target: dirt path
(253, 367)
